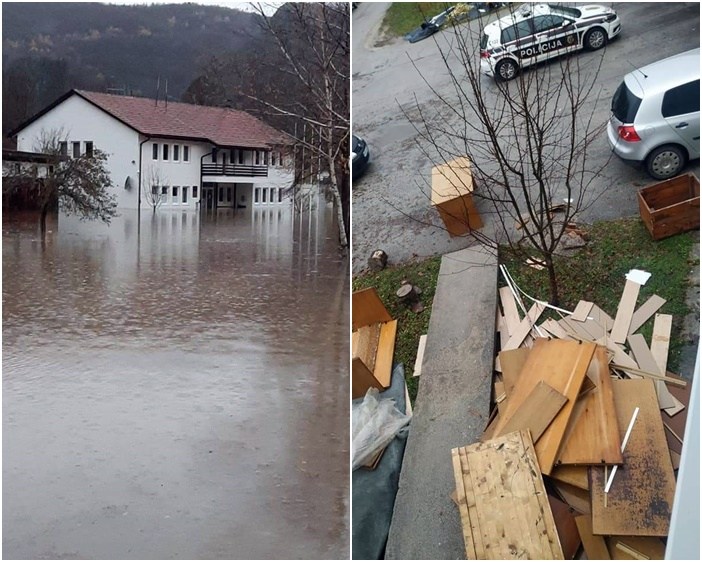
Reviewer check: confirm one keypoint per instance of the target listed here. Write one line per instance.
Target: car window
(517, 31)
(547, 22)
(625, 104)
(484, 41)
(681, 100)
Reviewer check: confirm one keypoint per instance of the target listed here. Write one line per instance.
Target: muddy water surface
(175, 387)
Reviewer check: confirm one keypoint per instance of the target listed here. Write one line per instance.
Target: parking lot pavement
(390, 202)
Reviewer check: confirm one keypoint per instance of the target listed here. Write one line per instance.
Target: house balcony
(234, 170)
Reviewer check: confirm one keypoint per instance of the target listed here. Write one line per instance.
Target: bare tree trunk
(42, 219)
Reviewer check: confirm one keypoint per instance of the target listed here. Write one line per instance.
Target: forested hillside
(51, 47)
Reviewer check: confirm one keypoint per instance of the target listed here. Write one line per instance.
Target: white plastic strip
(624, 442)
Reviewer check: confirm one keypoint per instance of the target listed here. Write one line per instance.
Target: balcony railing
(234, 170)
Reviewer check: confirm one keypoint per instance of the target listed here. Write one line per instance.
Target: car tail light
(484, 54)
(611, 17)
(628, 133)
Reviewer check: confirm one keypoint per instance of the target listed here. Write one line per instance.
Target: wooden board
(641, 496)
(678, 422)
(595, 547)
(362, 379)
(648, 363)
(386, 350)
(581, 311)
(536, 412)
(572, 474)
(593, 438)
(420, 356)
(364, 344)
(509, 309)
(576, 498)
(367, 308)
(636, 548)
(504, 508)
(512, 362)
(451, 193)
(576, 330)
(565, 526)
(645, 311)
(562, 364)
(660, 340)
(625, 311)
(602, 318)
(525, 326)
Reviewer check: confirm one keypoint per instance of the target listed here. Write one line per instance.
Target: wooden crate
(672, 206)
(452, 195)
(372, 343)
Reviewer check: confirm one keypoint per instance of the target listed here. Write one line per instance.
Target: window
(682, 100)
(265, 158)
(264, 192)
(165, 152)
(517, 31)
(274, 197)
(258, 157)
(185, 194)
(229, 195)
(625, 105)
(186, 153)
(194, 192)
(257, 195)
(63, 148)
(214, 155)
(164, 191)
(273, 158)
(221, 194)
(280, 196)
(547, 22)
(175, 194)
(89, 149)
(76, 150)
(241, 156)
(154, 151)
(232, 156)
(176, 152)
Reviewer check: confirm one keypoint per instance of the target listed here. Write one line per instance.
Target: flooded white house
(168, 154)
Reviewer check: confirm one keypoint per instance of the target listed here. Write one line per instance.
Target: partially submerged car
(538, 32)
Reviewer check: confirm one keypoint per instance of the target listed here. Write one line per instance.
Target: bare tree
(79, 185)
(153, 183)
(313, 41)
(527, 141)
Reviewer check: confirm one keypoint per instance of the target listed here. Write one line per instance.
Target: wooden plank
(677, 423)
(625, 311)
(562, 364)
(644, 312)
(365, 344)
(594, 546)
(636, 548)
(641, 497)
(525, 326)
(648, 363)
(555, 329)
(512, 362)
(386, 350)
(362, 379)
(504, 508)
(566, 527)
(660, 340)
(576, 498)
(571, 474)
(367, 308)
(676, 408)
(536, 412)
(602, 318)
(420, 356)
(509, 310)
(581, 311)
(593, 438)
(576, 330)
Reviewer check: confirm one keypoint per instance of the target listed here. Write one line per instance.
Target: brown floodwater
(176, 387)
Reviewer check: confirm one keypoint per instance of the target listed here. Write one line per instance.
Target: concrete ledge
(452, 406)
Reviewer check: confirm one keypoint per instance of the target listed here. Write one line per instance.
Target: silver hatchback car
(656, 115)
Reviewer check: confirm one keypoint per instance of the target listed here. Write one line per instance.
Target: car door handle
(681, 125)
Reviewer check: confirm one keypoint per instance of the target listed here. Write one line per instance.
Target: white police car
(537, 32)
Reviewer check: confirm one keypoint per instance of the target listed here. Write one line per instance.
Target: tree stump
(408, 295)
(378, 260)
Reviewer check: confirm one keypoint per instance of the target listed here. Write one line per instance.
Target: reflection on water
(176, 387)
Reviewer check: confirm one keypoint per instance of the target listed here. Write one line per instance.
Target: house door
(208, 195)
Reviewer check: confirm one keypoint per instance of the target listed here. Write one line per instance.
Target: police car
(537, 32)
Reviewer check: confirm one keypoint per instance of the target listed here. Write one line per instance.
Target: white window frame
(186, 151)
(195, 193)
(175, 195)
(165, 152)
(184, 195)
(158, 153)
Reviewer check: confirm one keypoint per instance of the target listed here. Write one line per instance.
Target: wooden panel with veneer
(562, 364)
(536, 412)
(636, 548)
(509, 309)
(512, 362)
(640, 498)
(593, 437)
(648, 363)
(625, 311)
(571, 474)
(595, 546)
(503, 504)
(582, 311)
(525, 326)
(367, 308)
(645, 311)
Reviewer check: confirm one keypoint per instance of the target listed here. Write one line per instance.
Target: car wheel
(665, 162)
(506, 69)
(595, 39)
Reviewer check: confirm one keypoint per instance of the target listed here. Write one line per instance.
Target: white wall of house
(80, 121)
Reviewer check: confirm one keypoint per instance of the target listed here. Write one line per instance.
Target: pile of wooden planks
(577, 397)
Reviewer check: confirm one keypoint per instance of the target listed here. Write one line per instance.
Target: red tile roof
(218, 125)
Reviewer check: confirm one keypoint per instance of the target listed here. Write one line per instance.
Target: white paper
(638, 276)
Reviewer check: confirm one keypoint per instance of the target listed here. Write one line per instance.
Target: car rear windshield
(625, 104)
(565, 11)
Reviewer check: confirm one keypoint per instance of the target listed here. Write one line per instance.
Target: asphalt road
(390, 204)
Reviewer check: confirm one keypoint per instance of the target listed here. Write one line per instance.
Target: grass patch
(595, 274)
(409, 324)
(403, 17)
